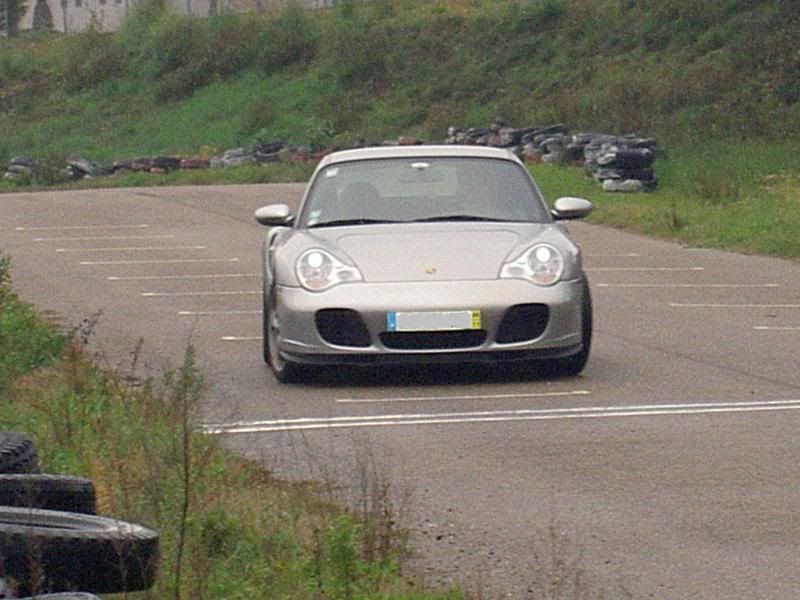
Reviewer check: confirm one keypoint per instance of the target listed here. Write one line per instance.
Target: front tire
(284, 370)
(573, 365)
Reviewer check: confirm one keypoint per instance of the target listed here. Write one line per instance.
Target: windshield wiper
(459, 218)
(342, 222)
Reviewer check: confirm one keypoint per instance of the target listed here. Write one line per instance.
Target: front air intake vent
(342, 327)
(523, 323)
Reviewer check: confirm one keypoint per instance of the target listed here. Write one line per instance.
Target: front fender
(271, 241)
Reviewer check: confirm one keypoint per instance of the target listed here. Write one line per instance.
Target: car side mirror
(274, 215)
(571, 208)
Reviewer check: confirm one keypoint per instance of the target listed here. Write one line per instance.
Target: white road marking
(204, 293)
(766, 328)
(591, 412)
(187, 313)
(165, 277)
(76, 227)
(233, 338)
(131, 249)
(98, 238)
(679, 305)
(689, 285)
(466, 397)
(645, 269)
(158, 262)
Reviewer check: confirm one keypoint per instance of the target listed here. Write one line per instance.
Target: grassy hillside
(680, 70)
(716, 81)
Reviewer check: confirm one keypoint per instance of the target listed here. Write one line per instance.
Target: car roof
(418, 151)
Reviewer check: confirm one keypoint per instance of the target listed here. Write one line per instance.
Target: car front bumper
(301, 341)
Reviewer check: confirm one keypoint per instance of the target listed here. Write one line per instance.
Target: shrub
(91, 58)
(233, 44)
(290, 37)
(178, 56)
(135, 30)
(355, 49)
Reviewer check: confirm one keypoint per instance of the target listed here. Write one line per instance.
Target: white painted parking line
(131, 249)
(203, 293)
(680, 305)
(234, 338)
(204, 313)
(646, 269)
(78, 227)
(158, 262)
(168, 277)
(766, 328)
(465, 397)
(105, 238)
(500, 416)
(689, 285)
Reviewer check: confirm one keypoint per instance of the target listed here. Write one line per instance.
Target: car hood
(429, 252)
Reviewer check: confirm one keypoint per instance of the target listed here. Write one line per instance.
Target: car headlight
(541, 264)
(319, 270)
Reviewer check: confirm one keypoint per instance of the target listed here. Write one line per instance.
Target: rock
(142, 164)
(165, 163)
(270, 147)
(194, 163)
(623, 185)
(19, 170)
(121, 166)
(266, 158)
(22, 161)
(78, 168)
(531, 154)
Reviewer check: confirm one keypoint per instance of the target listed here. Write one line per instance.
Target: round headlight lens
(318, 270)
(546, 264)
(541, 264)
(314, 270)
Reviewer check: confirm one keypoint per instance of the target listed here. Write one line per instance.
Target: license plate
(433, 321)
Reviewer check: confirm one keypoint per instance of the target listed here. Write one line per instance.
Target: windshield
(422, 189)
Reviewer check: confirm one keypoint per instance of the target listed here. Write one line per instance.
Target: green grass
(729, 195)
(26, 343)
(245, 534)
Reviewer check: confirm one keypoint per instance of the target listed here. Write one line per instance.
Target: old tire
(52, 551)
(50, 492)
(17, 453)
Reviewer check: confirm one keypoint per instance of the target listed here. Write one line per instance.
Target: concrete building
(74, 16)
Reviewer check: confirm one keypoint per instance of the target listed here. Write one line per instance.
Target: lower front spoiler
(430, 358)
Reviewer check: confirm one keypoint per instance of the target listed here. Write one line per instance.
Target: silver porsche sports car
(420, 255)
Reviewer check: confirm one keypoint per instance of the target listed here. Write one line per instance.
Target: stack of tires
(622, 164)
(52, 543)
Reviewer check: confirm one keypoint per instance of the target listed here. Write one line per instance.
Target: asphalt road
(669, 469)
